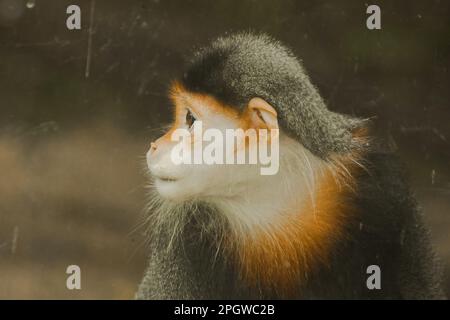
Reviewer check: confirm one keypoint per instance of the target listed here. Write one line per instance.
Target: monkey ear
(262, 114)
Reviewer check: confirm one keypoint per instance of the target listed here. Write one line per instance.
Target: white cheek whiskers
(247, 199)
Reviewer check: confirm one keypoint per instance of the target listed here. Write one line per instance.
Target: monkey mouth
(166, 179)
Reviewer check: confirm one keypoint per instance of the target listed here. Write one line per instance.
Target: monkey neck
(264, 200)
(286, 228)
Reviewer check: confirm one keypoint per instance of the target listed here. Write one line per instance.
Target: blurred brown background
(72, 175)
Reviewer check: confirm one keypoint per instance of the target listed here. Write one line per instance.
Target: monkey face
(210, 149)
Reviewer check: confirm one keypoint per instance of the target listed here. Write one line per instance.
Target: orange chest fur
(282, 256)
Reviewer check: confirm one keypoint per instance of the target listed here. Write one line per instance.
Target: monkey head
(217, 125)
(246, 81)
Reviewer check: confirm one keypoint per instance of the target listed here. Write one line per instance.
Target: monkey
(337, 205)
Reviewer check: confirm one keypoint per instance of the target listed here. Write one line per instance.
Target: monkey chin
(170, 189)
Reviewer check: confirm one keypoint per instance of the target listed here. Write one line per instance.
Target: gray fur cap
(239, 67)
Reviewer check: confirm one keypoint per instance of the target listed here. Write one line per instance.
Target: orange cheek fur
(181, 97)
(196, 101)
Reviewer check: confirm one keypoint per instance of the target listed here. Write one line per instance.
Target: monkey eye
(190, 119)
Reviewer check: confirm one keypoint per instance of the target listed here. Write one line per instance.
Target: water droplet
(31, 4)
